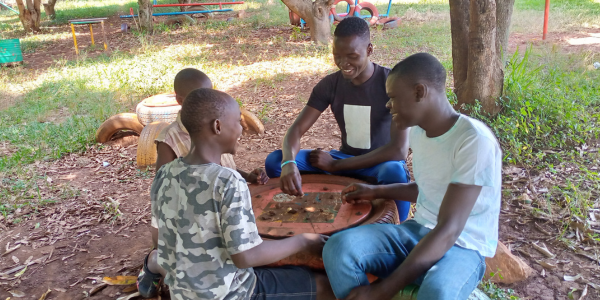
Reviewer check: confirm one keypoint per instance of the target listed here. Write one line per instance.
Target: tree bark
(316, 15)
(184, 8)
(49, 9)
(480, 31)
(145, 15)
(30, 15)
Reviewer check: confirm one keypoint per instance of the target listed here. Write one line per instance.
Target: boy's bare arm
(395, 150)
(454, 212)
(271, 251)
(165, 154)
(360, 192)
(290, 180)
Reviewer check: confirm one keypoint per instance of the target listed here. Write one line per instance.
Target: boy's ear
(179, 99)
(216, 126)
(420, 91)
(369, 49)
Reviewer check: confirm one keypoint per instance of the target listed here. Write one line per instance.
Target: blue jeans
(379, 249)
(384, 173)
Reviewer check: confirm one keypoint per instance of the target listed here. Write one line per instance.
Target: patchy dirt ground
(100, 228)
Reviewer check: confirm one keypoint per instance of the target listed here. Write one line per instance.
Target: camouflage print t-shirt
(204, 215)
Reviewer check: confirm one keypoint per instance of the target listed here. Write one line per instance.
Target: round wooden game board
(347, 215)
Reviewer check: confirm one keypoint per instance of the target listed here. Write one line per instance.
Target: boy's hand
(258, 176)
(357, 192)
(366, 292)
(290, 180)
(322, 160)
(314, 242)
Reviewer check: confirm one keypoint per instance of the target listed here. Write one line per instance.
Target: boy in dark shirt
(371, 149)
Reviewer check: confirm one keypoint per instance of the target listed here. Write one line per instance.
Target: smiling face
(351, 55)
(405, 105)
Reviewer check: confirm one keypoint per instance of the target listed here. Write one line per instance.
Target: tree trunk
(184, 8)
(30, 15)
(479, 37)
(49, 9)
(316, 15)
(145, 15)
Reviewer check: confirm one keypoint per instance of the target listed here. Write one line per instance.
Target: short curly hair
(202, 106)
(188, 80)
(422, 66)
(353, 26)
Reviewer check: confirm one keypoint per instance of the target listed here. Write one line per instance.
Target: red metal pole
(198, 4)
(546, 13)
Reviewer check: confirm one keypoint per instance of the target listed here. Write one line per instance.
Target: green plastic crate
(10, 51)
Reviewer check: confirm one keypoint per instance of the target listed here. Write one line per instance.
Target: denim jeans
(380, 249)
(384, 173)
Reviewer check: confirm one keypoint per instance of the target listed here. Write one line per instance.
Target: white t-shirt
(468, 154)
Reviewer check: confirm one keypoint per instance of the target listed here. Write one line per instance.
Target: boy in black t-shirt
(372, 149)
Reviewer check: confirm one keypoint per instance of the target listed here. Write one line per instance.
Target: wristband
(288, 162)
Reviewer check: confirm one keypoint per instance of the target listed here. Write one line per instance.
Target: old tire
(180, 20)
(146, 151)
(371, 9)
(158, 108)
(294, 19)
(337, 17)
(251, 123)
(116, 123)
(389, 23)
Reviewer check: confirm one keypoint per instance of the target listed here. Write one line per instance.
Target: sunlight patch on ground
(88, 4)
(593, 39)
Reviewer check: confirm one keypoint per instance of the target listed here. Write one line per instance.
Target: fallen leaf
(17, 293)
(572, 278)
(15, 259)
(543, 273)
(9, 250)
(28, 260)
(546, 265)
(543, 250)
(98, 288)
(584, 293)
(43, 297)
(21, 272)
(595, 286)
(131, 288)
(60, 290)
(120, 280)
(137, 294)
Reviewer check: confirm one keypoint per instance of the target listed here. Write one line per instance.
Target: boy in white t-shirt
(457, 167)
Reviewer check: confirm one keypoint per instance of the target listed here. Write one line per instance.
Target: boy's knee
(273, 163)
(392, 172)
(345, 244)
(433, 291)
(336, 246)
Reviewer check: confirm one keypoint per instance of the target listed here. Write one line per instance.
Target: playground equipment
(546, 15)
(354, 8)
(152, 115)
(10, 51)
(220, 4)
(10, 8)
(89, 22)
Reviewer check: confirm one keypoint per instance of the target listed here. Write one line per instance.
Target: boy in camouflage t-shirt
(208, 242)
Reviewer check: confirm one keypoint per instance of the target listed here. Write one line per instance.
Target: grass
(550, 107)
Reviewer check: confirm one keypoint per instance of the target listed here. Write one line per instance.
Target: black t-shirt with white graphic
(358, 109)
